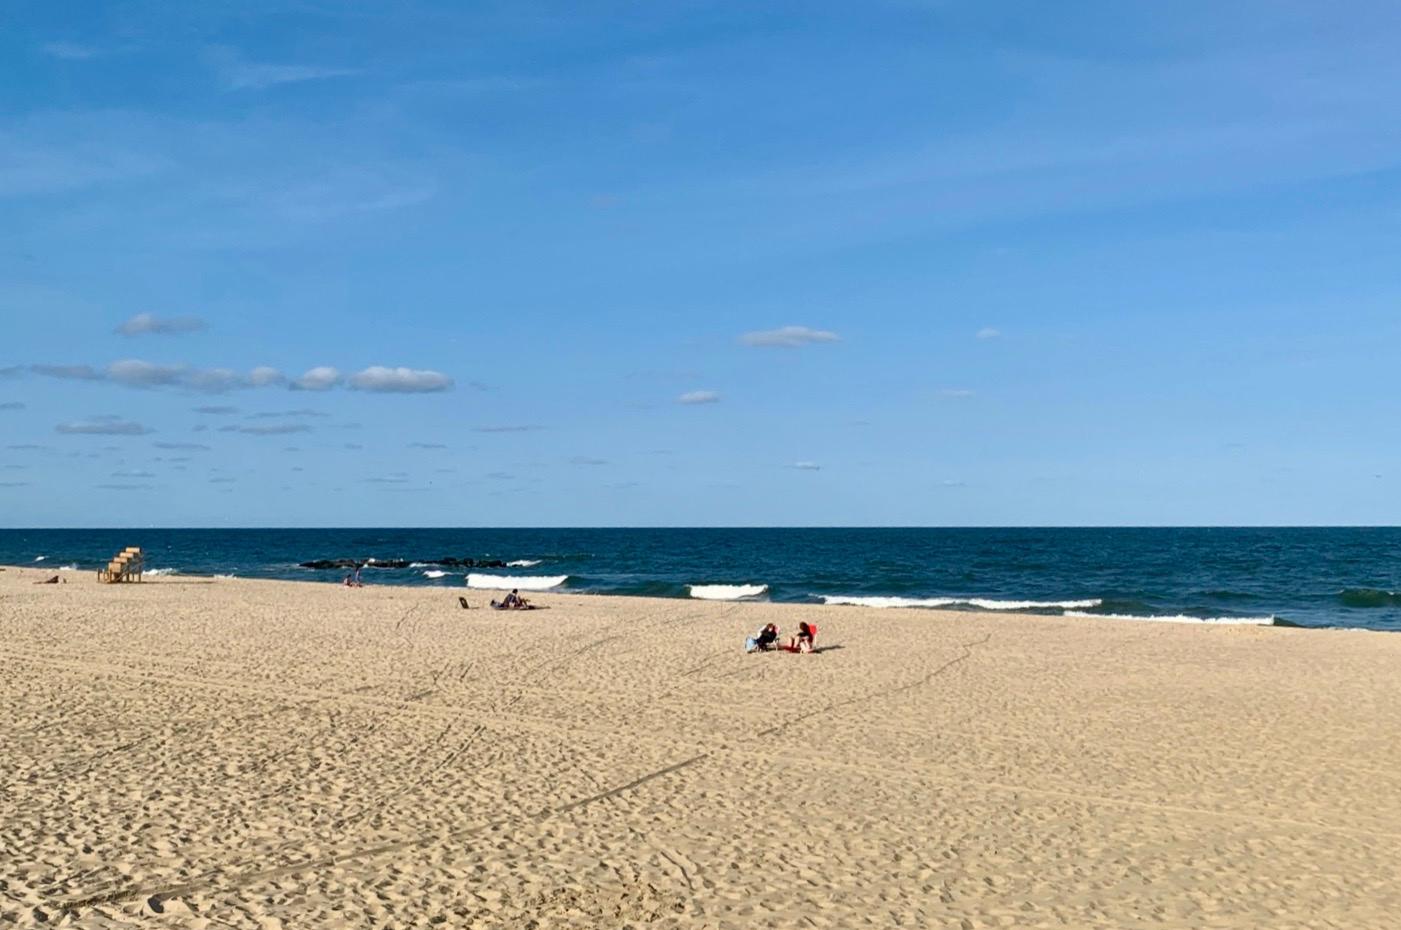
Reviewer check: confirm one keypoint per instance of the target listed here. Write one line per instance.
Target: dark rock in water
(331, 563)
(448, 561)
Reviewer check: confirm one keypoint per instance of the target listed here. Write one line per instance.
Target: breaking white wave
(979, 602)
(726, 592)
(68, 568)
(226, 576)
(1180, 618)
(414, 564)
(523, 582)
(40, 558)
(987, 604)
(434, 574)
(524, 563)
(888, 601)
(160, 571)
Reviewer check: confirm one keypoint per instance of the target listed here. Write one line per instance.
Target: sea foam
(1180, 618)
(434, 574)
(523, 582)
(726, 592)
(524, 563)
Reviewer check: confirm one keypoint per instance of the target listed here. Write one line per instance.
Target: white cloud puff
(988, 332)
(399, 380)
(699, 397)
(320, 378)
(263, 376)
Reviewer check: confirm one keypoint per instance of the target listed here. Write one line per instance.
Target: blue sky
(697, 263)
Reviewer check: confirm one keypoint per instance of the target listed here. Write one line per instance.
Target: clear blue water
(1302, 576)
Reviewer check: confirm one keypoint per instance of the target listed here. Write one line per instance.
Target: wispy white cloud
(187, 446)
(587, 460)
(787, 337)
(279, 414)
(69, 51)
(216, 411)
(699, 397)
(433, 446)
(238, 73)
(275, 429)
(109, 425)
(149, 323)
(988, 332)
(383, 380)
(956, 392)
(56, 152)
(806, 466)
(12, 405)
(506, 429)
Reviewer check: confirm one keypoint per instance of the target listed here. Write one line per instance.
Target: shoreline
(944, 612)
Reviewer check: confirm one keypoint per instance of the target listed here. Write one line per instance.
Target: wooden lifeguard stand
(125, 567)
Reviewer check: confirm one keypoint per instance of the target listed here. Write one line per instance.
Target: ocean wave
(726, 592)
(161, 571)
(40, 558)
(988, 604)
(1182, 618)
(1369, 597)
(68, 568)
(417, 565)
(981, 603)
(434, 574)
(523, 563)
(888, 601)
(524, 582)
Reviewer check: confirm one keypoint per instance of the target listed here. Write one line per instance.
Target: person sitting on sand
(513, 601)
(763, 640)
(803, 642)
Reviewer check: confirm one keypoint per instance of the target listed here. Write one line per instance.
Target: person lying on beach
(763, 640)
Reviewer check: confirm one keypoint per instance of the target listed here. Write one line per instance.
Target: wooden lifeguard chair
(125, 567)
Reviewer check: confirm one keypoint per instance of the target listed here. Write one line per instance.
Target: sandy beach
(201, 752)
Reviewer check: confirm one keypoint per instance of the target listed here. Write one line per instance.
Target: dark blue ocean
(1341, 577)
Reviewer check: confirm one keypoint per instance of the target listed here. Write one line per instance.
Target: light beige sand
(224, 753)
